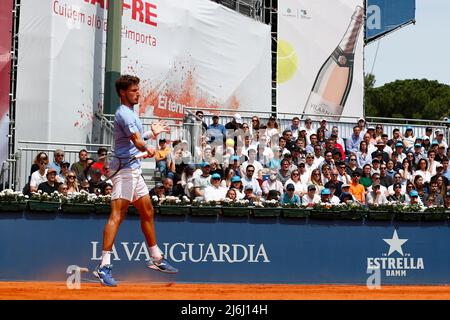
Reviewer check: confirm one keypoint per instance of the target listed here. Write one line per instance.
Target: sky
(415, 51)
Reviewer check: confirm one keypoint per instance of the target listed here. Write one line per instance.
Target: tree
(414, 99)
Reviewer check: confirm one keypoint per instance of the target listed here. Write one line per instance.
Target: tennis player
(128, 184)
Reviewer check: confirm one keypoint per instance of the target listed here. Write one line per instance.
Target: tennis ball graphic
(230, 143)
(287, 61)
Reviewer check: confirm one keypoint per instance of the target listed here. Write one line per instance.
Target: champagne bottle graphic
(334, 80)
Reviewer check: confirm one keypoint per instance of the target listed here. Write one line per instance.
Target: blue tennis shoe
(104, 274)
(162, 265)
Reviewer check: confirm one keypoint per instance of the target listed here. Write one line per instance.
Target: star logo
(395, 244)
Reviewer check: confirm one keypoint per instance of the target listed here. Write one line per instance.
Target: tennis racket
(112, 164)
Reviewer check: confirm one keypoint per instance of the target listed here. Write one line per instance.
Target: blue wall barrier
(40, 247)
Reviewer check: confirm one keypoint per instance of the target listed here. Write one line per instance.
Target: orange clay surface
(176, 291)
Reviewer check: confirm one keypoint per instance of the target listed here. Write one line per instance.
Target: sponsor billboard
(384, 16)
(320, 58)
(229, 249)
(5, 71)
(187, 53)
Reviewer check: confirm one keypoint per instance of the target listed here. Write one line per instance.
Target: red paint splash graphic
(85, 115)
(178, 89)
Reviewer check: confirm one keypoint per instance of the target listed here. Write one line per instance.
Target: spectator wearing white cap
(362, 127)
(371, 132)
(323, 126)
(440, 154)
(440, 138)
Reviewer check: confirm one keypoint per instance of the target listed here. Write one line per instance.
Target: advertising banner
(5, 71)
(229, 249)
(187, 53)
(320, 58)
(384, 16)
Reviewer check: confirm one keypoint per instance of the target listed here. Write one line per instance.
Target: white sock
(106, 258)
(155, 252)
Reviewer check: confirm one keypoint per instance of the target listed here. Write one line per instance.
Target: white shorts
(128, 184)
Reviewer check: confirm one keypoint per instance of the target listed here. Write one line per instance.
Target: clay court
(175, 291)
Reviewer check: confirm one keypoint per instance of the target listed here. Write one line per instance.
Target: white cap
(238, 118)
(302, 129)
(361, 119)
(371, 128)
(438, 165)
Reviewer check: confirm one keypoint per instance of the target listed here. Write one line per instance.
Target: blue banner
(40, 247)
(384, 16)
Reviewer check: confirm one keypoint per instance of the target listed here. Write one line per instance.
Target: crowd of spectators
(59, 175)
(305, 165)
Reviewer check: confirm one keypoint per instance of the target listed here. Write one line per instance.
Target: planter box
(78, 208)
(435, 216)
(349, 215)
(132, 210)
(380, 215)
(266, 212)
(322, 215)
(408, 216)
(174, 210)
(101, 208)
(206, 211)
(13, 206)
(295, 213)
(235, 212)
(43, 206)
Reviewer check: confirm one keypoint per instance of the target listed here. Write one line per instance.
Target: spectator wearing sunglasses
(398, 194)
(71, 182)
(58, 160)
(102, 153)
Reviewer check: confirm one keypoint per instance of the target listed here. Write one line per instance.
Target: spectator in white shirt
(251, 161)
(376, 195)
(309, 130)
(300, 188)
(272, 184)
(215, 192)
(39, 176)
(311, 197)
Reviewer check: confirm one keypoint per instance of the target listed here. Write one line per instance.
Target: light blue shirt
(353, 143)
(126, 123)
(294, 200)
(55, 166)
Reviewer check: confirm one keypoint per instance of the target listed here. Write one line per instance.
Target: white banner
(320, 58)
(187, 53)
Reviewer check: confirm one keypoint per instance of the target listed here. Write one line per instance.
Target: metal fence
(15, 171)
(27, 151)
